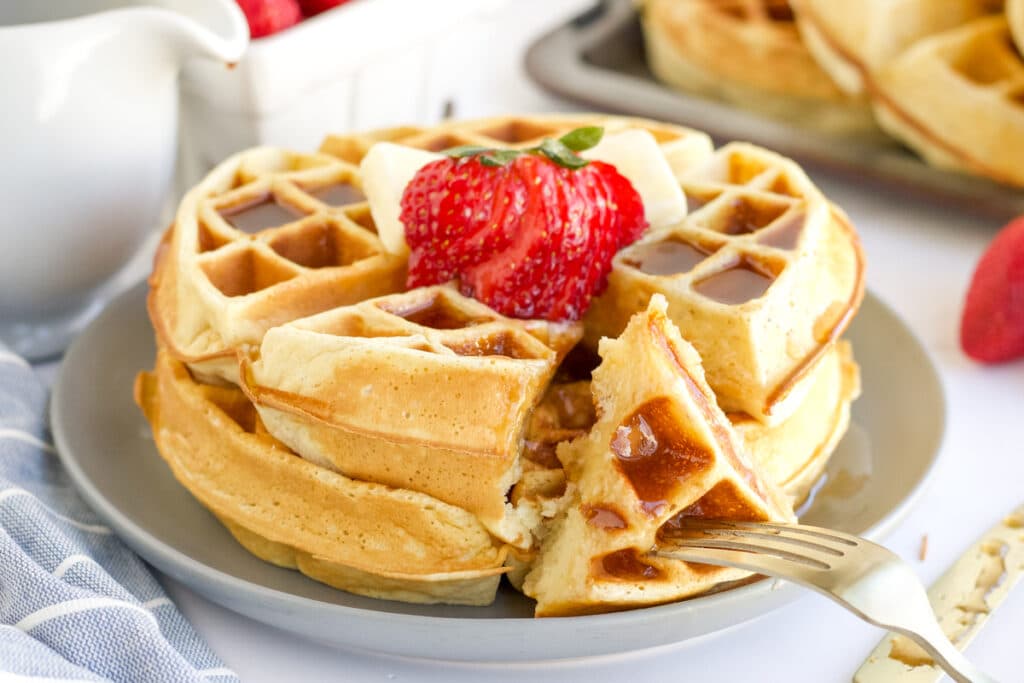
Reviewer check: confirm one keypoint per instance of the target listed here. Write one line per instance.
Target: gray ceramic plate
(877, 473)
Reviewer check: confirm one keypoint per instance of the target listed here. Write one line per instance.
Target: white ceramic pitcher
(88, 134)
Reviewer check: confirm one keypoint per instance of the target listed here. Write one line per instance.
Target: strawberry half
(992, 327)
(531, 233)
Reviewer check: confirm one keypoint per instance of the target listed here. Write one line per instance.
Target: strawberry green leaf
(465, 151)
(559, 153)
(582, 138)
(499, 157)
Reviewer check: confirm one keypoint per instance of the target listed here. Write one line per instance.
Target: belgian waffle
(660, 451)
(972, 73)
(853, 40)
(417, 445)
(762, 276)
(750, 53)
(271, 235)
(426, 390)
(361, 537)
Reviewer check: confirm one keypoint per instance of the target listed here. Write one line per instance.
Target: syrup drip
(668, 257)
(265, 212)
(741, 283)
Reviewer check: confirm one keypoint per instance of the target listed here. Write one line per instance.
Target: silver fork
(865, 578)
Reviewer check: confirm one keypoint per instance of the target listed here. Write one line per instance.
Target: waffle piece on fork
(661, 450)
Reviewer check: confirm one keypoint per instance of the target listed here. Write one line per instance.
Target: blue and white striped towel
(75, 603)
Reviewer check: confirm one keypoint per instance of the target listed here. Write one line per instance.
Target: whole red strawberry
(267, 17)
(312, 7)
(992, 327)
(531, 233)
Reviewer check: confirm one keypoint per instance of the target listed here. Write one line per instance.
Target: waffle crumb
(922, 552)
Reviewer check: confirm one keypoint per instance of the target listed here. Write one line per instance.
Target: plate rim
(229, 590)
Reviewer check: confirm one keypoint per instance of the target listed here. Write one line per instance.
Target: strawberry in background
(992, 326)
(267, 17)
(314, 7)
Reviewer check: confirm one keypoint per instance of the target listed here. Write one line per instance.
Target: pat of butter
(386, 169)
(636, 155)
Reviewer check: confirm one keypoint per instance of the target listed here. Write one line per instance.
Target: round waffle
(972, 73)
(853, 40)
(748, 52)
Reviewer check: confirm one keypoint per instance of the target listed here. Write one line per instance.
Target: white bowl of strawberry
(330, 65)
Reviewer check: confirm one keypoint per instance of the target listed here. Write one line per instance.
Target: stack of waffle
(417, 445)
(923, 67)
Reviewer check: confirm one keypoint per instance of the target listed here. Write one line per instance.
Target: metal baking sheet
(598, 59)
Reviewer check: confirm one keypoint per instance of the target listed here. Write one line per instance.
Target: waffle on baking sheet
(749, 53)
(923, 68)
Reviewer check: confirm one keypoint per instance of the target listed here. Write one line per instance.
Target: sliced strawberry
(992, 326)
(267, 17)
(532, 233)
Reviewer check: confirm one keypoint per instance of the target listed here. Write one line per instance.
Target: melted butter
(990, 576)
(1015, 520)
(973, 607)
(906, 651)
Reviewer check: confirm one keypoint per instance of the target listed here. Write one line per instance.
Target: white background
(920, 261)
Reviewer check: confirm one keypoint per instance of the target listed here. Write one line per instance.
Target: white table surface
(920, 261)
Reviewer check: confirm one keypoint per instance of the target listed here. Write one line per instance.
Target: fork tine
(835, 540)
(753, 533)
(755, 548)
(806, 529)
(751, 561)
